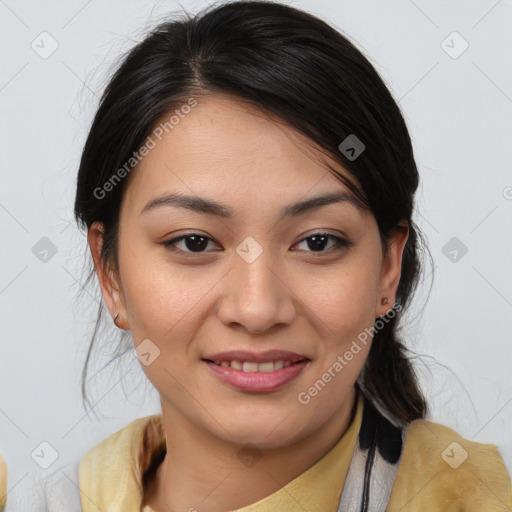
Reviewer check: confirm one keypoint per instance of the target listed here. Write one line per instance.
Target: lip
(257, 381)
(261, 357)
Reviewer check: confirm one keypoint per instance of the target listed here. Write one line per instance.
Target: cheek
(344, 303)
(159, 295)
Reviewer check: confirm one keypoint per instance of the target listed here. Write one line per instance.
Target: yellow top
(3, 482)
(440, 471)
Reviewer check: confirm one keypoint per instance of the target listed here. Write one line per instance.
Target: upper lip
(261, 357)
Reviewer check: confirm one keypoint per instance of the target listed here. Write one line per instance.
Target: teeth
(264, 367)
(251, 366)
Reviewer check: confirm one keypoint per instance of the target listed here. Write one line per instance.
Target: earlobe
(392, 267)
(107, 276)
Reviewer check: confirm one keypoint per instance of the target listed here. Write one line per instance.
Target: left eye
(196, 242)
(318, 240)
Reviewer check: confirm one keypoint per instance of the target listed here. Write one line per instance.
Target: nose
(258, 295)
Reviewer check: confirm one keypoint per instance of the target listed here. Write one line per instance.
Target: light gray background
(459, 113)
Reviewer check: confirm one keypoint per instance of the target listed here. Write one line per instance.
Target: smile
(250, 376)
(251, 366)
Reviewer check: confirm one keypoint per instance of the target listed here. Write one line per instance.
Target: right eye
(194, 242)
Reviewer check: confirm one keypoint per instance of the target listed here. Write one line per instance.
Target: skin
(292, 297)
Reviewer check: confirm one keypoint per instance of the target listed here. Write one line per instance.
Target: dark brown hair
(300, 69)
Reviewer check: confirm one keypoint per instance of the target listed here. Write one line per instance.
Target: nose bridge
(253, 265)
(256, 297)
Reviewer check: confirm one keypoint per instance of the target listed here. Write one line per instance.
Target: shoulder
(114, 466)
(441, 470)
(125, 442)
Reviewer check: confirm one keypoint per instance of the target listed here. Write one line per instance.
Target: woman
(247, 187)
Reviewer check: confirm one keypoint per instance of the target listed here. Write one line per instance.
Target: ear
(392, 268)
(107, 276)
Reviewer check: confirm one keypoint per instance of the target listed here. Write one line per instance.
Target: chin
(263, 435)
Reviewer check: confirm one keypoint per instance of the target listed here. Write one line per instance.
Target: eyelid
(171, 241)
(342, 242)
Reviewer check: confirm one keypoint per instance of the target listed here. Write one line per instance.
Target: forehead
(227, 148)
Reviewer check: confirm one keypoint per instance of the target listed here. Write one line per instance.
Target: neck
(203, 472)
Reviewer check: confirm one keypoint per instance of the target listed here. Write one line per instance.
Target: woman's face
(255, 280)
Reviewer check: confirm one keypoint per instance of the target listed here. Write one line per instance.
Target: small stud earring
(383, 301)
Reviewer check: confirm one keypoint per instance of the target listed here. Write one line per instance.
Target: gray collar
(375, 461)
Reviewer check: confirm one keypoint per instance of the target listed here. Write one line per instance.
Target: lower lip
(257, 381)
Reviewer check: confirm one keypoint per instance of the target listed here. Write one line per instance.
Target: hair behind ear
(388, 377)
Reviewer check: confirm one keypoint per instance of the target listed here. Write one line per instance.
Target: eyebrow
(210, 207)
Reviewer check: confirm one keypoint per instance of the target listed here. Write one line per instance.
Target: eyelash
(341, 243)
